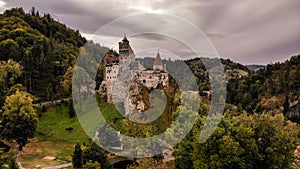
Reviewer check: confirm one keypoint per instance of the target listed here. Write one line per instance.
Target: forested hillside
(274, 89)
(42, 50)
(37, 60)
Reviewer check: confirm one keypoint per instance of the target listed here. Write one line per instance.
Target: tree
(33, 11)
(183, 154)
(11, 161)
(77, 157)
(19, 119)
(95, 153)
(184, 151)
(66, 81)
(8, 161)
(254, 141)
(9, 72)
(286, 105)
(276, 140)
(71, 110)
(19, 12)
(92, 165)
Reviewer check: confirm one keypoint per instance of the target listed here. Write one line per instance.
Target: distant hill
(231, 69)
(268, 89)
(255, 68)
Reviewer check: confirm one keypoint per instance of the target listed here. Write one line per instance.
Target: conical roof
(157, 61)
(125, 38)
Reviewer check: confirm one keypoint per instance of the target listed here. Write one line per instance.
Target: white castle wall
(111, 72)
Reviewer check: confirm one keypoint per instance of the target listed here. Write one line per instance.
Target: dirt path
(50, 102)
(59, 166)
(18, 162)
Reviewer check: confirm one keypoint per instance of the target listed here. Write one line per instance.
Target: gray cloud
(246, 31)
(214, 35)
(149, 36)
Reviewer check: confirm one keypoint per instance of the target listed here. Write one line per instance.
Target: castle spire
(158, 63)
(125, 38)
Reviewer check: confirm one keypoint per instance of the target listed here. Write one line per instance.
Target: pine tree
(94, 153)
(71, 111)
(12, 161)
(77, 157)
(286, 105)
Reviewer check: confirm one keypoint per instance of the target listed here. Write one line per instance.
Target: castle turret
(125, 51)
(158, 63)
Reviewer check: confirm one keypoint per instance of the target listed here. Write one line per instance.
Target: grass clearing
(52, 139)
(29, 162)
(53, 123)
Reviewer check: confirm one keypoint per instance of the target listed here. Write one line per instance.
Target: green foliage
(19, 120)
(286, 105)
(77, 157)
(273, 80)
(46, 50)
(258, 141)
(8, 161)
(92, 165)
(144, 163)
(71, 110)
(95, 153)
(184, 154)
(10, 71)
(44, 109)
(130, 128)
(66, 81)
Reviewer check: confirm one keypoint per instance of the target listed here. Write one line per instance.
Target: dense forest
(259, 129)
(41, 52)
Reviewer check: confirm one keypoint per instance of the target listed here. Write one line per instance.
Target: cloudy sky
(246, 31)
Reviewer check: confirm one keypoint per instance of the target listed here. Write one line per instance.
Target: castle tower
(125, 51)
(158, 63)
(111, 62)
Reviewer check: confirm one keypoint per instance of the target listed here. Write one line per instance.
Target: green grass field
(52, 139)
(52, 127)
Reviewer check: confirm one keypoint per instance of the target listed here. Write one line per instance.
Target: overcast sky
(246, 31)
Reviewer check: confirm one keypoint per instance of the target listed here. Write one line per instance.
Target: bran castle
(124, 76)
